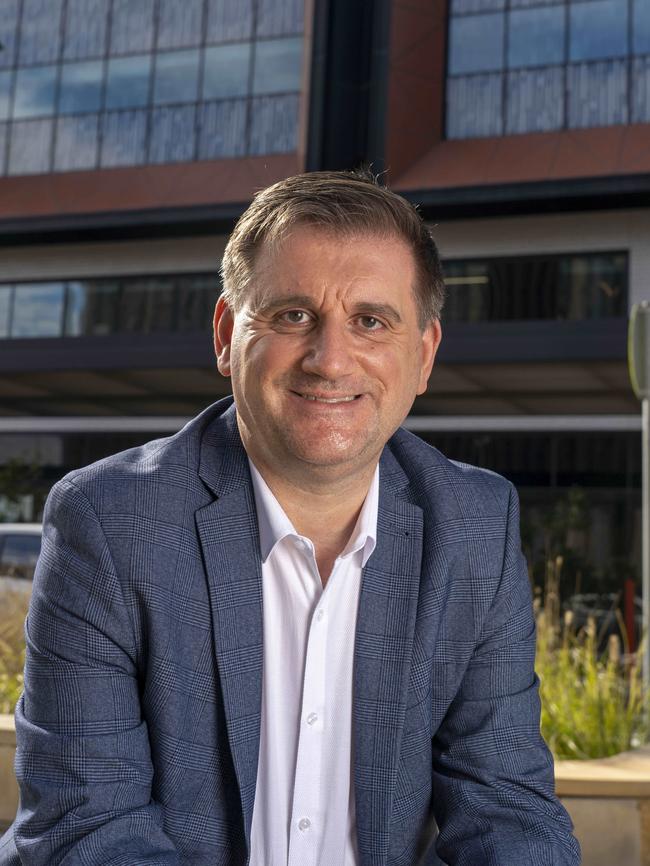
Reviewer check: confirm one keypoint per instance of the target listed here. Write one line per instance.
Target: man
(292, 633)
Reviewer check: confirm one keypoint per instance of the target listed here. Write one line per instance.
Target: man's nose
(329, 353)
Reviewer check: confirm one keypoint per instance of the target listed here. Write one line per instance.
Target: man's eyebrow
(268, 305)
(363, 308)
(376, 309)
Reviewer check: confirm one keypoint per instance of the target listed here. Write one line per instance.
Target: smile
(329, 399)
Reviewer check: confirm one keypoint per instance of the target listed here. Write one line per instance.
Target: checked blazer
(138, 729)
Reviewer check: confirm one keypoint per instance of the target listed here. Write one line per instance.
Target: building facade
(132, 135)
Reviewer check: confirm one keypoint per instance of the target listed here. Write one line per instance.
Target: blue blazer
(138, 730)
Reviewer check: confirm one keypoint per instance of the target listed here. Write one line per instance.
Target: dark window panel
(4, 142)
(127, 81)
(146, 305)
(5, 308)
(197, 295)
(229, 20)
(274, 124)
(132, 26)
(8, 32)
(524, 4)
(123, 138)
(280, 17)
(176, 77)
(598, 28)
(474, 106)
(92, 307)
(277, 66)
(223, 129)
(641, 90)
(5, 93)
(81, 87)
(29, 147)
(38, 310)
(85, 29)
(172, 134)
(535, 100)
(476, 43)
(536, 37)
(180, 23)
(464, 6)
(35, 91)
(40, 31)
(597, 94)
(226, 71)
(76, 142)
(641, 27)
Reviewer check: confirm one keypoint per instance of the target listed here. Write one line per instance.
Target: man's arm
(83, 761)
(493, 785)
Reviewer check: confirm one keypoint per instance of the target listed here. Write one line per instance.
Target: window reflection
(598, 29)
(641, 27)
(5, 93)
(179, 23)
(5, 309)
(536, 37)
(81, 87)
(277, 66)
(476, 43)
(226, 71)
(92, 308)
(76, 142)
(177, 76)
(123, 138)
(127, 83)
(146, 305)
(38, 310)
(40, 31)
(35, 89)
(8, 31)
(85, 29)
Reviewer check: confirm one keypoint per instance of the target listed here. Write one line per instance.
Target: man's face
(326, 354)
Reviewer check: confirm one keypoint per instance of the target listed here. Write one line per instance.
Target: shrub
(12, 648)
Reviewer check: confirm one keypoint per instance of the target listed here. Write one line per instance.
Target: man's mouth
(319, 399)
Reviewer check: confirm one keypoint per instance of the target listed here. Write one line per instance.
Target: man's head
(328, 324)
(344, 204)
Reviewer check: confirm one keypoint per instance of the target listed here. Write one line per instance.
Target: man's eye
(370, 323)
(295, 317)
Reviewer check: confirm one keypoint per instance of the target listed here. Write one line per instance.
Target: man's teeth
(329, 399)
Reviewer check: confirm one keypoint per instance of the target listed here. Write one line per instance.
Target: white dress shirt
(304, 811)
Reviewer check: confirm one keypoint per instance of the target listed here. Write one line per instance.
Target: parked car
(20, 545)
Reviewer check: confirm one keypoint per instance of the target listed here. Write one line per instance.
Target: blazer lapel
(229, 537)
(384, 643)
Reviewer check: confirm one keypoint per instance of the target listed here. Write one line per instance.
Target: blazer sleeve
(83, 760)
(493, 780)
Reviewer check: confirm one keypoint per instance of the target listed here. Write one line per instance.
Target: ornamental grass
(593, 704)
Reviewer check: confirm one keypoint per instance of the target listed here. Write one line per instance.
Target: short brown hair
(341, 202)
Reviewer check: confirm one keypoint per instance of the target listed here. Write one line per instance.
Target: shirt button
(304, 824)
(311, 718)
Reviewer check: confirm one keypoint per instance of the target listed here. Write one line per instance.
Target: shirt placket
(307, 817)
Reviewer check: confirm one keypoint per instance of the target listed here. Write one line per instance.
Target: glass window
(222, 128)
(4, 136)
(536, 37)
(38, 310)
(173, 134)
(179, 23)
(128, 81)
(19, 555)
(640, 90)
(81, 87)
(76, 142)
(5, 310)
(476, 43)
(598, 29)
(123, 138)
(475, 106)
(641, 27)
(535, 100)
(8, 31)
(597, 94)
(147, 305)
(40, 31)
(131, 26)
(85, 29)
(226, 71)
(229, 20)
(35, 89)
(280, 17)
(277, 66)
(176, 77)
(5, 94)
(197, 295)
(274, 124)
(92, 307)
(30, 146)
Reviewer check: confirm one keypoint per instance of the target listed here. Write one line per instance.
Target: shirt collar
(274, 525)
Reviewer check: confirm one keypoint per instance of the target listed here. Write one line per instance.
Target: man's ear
(431, 337)
(223, 328)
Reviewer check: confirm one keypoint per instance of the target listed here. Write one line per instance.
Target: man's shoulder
(433, 476)
(172, 460)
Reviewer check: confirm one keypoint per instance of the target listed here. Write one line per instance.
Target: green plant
(593, 703)
(12, 649)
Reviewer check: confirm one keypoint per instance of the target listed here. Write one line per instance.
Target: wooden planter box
(608, 799)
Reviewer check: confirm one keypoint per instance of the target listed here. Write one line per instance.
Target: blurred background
(134, 132)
